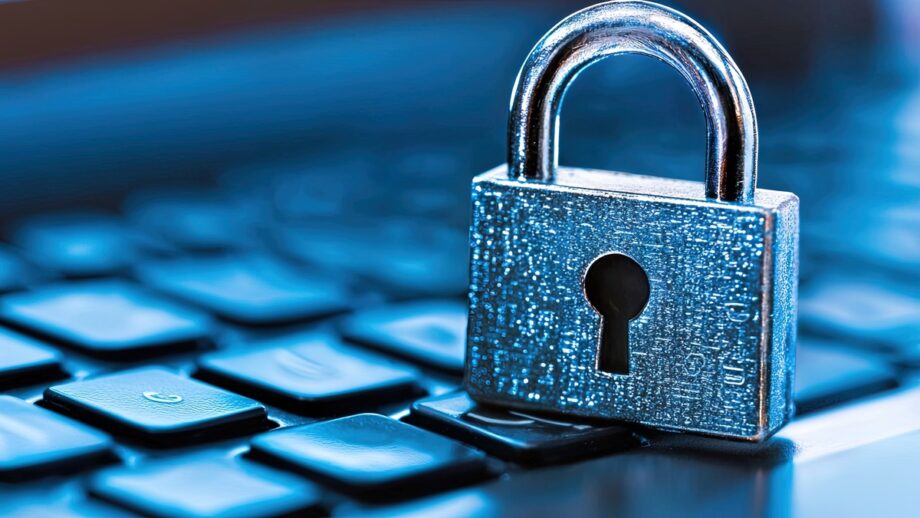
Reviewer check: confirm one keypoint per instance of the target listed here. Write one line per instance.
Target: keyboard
(205, 353)
(287, 338)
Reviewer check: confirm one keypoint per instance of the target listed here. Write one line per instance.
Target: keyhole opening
(617, 287)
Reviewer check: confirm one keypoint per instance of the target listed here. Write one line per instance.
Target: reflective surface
(251, 290)
(198, 487)
(36, 441)
(26, 360)
(156, 405)
(312, 373)
(714, 352)
(799, 472)
(517, 436)
(430, 332)
(612, 28)
(371, 456)
(105, 316)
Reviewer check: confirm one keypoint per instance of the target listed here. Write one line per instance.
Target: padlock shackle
(611, 28)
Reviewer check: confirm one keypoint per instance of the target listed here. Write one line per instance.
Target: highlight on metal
(618, 27)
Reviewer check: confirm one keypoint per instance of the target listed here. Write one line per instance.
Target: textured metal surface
(712, 352)
(613, 28)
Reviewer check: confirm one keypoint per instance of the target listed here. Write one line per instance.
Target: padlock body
(713, 351)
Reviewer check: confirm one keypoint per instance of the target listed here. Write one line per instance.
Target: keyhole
(617, 287)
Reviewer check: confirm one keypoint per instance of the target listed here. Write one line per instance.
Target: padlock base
(711, 353)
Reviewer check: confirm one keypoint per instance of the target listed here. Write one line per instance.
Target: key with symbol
(159, 407)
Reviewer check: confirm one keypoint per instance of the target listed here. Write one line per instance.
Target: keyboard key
(304, 189)
(253, 290)
(34, 441)
(206, 487)
(13, 271)
(819, 465)
(516, 436)
(111, 319)
(157, 406)
(311, 373)
(407, 258)
(826, 375)
(872, 311)
(24, 361)
(76, 245)
(371, 456)
(432, 333)
(40, 506)
(467, 503)
(195, 220)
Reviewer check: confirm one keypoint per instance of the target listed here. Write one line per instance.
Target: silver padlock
(609, 295)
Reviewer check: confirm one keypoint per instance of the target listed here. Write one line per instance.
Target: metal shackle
(617, 27)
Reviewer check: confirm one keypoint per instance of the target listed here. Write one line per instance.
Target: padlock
(667, 303)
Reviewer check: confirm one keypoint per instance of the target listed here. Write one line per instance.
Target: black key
(302, 189)
(408, 258)
(202, 486)
(311, 373)
(13, 271)
(516, 436)
(39, 505)
(111, 319)
(76, 245)
(157, 406)
(822, 464)
(867, 310)
(826, 375)
(252, 290)
(371, 456)
(24, 361)
(432, 333)
(34, 441)
(192, 219)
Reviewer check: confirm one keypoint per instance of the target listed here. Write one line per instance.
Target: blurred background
(300, 122)
(392, 106)
(338, 139)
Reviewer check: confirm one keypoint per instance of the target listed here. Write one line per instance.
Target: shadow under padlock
(666, 303)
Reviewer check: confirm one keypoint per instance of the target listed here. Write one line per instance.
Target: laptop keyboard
(272, 345)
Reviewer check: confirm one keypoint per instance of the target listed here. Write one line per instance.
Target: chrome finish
(713, 350)
(645, 28)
